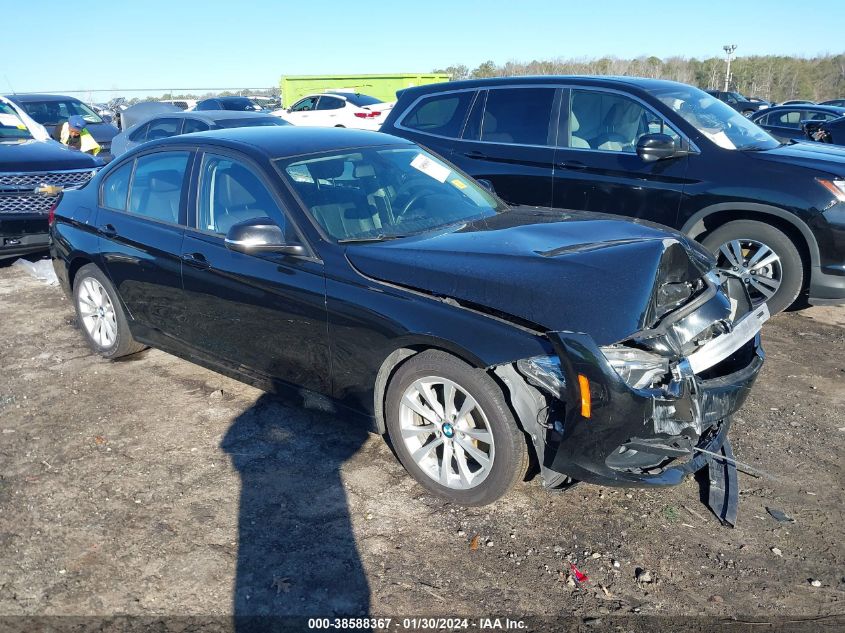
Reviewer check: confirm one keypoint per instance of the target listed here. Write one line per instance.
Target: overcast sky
(57, 46)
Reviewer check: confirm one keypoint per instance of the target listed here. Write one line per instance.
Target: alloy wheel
(97, 312)
(446, 433)
(755, 264)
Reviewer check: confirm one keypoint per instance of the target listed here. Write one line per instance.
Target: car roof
(609, 81)
(287, 141)
(807, 106)
(33, 96)
(211, 115)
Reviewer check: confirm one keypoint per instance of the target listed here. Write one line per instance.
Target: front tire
(100, 314)
(763, 257)
(452, 429)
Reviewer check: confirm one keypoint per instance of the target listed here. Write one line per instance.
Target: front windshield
(715, 119)
(51, 112)
(384, 192)
(11, 126)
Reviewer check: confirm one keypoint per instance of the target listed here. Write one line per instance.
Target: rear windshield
(252, 122)
(11, 126)
(52, 112)
(238, 104)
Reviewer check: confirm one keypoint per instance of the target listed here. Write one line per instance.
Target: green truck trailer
(382, 87)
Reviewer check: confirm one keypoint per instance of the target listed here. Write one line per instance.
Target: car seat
(341, 210)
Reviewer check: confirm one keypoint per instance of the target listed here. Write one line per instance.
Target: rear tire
(476, 452)
(100, 314)
(778, 267)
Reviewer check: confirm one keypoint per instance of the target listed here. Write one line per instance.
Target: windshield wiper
(372, 238)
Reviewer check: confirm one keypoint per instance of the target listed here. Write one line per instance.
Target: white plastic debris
(41, 270)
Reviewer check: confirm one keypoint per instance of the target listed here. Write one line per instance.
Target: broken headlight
(638, 368)
(544, 372)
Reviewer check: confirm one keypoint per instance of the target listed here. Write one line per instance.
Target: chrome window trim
(693, 148)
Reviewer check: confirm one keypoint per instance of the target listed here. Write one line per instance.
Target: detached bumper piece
(723, 492)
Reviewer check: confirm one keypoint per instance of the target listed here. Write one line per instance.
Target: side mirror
(260, 235)
(652, 147)
(486, 184)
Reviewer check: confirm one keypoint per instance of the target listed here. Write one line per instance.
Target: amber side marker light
(586, 403)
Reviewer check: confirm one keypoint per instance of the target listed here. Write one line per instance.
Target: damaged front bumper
(643, 437)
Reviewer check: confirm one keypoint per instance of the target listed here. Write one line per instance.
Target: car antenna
(6, 77)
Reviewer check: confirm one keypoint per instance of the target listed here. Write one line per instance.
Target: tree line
(771, 77)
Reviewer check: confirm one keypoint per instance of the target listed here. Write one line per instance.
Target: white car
(337, 109)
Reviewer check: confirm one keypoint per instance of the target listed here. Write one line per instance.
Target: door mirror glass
(488, 185)
(652, 147)
(260, 235)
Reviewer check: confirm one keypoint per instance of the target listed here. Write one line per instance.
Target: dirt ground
(152, 487)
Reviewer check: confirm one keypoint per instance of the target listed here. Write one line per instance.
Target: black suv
(31, 175)
(773, 213)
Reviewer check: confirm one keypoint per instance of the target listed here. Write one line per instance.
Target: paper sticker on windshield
(460, 184)
(430, 168)
(8, 120)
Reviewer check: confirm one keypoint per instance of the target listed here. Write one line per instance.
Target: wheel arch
(399, 355)
(76, 262)
(712, 217)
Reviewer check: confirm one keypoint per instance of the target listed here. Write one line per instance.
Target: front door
(141, 226)
(264, 311)
(304, 112)
(596, 164)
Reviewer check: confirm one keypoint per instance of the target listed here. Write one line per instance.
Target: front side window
(116, 187)
(439, 114)
(163, 128)
(230, 192)
(517, 115)
(714, 119)
(306, 105)
(156, 190)
(386, 192)
(608, 121)
(330, 103)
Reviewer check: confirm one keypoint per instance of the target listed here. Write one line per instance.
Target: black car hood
(31, 155)
(808, 154)
(549, 269)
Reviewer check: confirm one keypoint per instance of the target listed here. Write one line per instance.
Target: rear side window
(787, 119)
(518, 115)
(163, 128)
(116, 187)
(194, 125)
(443, 115)
(139, 135)
(156, 190)
(330, 103)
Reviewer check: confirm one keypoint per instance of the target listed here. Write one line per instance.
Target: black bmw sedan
(367, 269)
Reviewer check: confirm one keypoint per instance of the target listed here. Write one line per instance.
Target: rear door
(264, 311)
(785, 124)
(330, 111)
(141, 226)
(596, 164)
(509, 139)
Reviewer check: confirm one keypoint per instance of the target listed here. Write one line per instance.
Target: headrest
(165, 180)
(326, 169)
(574, 125)
(364, 170)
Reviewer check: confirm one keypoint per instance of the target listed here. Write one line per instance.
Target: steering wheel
(424, 189)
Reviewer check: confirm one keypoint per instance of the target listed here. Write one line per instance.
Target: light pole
(729, 55)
